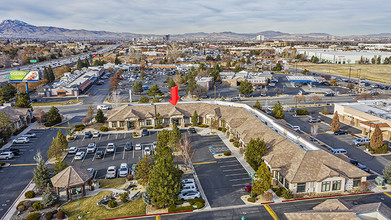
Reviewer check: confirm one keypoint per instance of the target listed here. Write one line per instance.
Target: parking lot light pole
(78, 202)
(252, 176)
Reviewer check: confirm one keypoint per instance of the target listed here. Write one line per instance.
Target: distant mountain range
(15, 29)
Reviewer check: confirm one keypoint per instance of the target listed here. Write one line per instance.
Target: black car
(14, 151)
(329, 94)
(145, 132)
(365, 168)
(192, 130)
(128, 146)
(354, 162)
(340, 132)
(99, 154)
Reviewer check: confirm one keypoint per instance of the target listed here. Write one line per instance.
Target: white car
(154, 145)
(29, 135)
(73, 150)
(110, 148)
(111, 172)
(147, 150)
(189, 195)
(96, 134)
(91, 148)
(188, 181)
(123, 170)
(189, 187)
(21, 140)
(6, 155)
(295, 128)
(138, 147)
(102, 107)
(80, 155)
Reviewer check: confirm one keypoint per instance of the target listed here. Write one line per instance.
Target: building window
(325, 186)
(121, 124)
(141, 122)
(337, 185)
(166, 121)
(356, 181)
(149, 122)
(286, 184)
(114, 124)
(187, 120)
(301, 187)
(276, 174)
(280, 178)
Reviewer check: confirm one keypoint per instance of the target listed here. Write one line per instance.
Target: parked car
(339, 151)
(73, 150)
(189, 195)
(145, 132)
(7, 155)
(29, 135)
(188, 187)
(138, 147)
(340, 132)
(295, 128)
(329, 94)
(147, 150)
(123, 170)
(91, 148)
(313, 120)
(292, 110)
(365, 168)
(91, 170)
(103, 107)
(111, 172)
(353, 94)
(354, 162)
(188, 181)
(99, 154)
(96, 134)
(128, 146)
(88, 134)
(13, 150)
(192, 130)
(80, 155)
(361, 141)
(21, 140)
(248, 187)
(235, 99)
(154, 145)
(110, 148)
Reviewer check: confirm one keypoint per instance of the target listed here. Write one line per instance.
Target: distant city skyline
(337, 17)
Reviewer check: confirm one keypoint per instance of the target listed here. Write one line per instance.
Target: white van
(361, 141)
(339, 151)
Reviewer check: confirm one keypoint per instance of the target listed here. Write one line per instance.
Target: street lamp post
(252, 176)
(78, 202)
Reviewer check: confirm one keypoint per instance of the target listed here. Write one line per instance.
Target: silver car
(111, 172)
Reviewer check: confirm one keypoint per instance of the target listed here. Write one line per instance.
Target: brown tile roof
(14, 113)
(296, 164)
(322, 216)
(374, 123)
(332, 204)
(71, 177)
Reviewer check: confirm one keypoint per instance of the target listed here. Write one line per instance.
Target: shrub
(173, 208)
(124, 197)
(251, 199)
(287, 194)
(241, 150)
(223, 129)
(194, 201)
(301, 112)
(104, 129)
(21, 203)
(199, 205)
(179, 202)
(227, 153)
(33, 216)
(119, 129)
(268, 196)
(37, 205)
(231, 140)
(325, 112)
(30, 194)
(112, 204)
(381, 150)
(60, 215)
(203, 126)
(21, 208)
(71, 138)
(30, 209)
(79, 127)
(48, 215)
(27, 203)
(158, 127)
(363, 186)
(129, 177)
(54, 211)
(219, 128)
(236, 144)
(278, 191)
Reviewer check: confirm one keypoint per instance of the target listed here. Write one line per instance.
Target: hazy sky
(339, 17)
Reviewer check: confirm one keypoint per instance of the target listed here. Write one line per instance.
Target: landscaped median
(90, 210)
(70, 102)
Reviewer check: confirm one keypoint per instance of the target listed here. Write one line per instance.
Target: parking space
(120, 155)
(223, 180)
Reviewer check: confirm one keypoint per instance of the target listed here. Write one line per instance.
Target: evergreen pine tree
(86, 63)
(376, 138)
(59, 145)
(254, 152)
(387, 173)
(257, 105)
(49, 197)
(335, 123)
(144, 168)
(59, 166)
(46, 74)
(90, 112)
(53, 116)
(51, 74)
(162, 140)
(100, 117)
(146, 197)
(22, 100)
(194, 118)
(165, 180)
(175, 136)
(79, 64)
(41, 175)
(263, 180)
(279, 114)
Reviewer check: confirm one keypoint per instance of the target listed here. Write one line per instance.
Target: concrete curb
(321, 197)
(143, 216)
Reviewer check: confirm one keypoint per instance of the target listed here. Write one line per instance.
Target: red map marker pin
(174, 95)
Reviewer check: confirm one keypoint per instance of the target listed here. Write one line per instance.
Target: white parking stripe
(233, 165)
(242, 184)
(239, 179)
(232, 170)
(114, 154)
(236, 174)
(123, 156)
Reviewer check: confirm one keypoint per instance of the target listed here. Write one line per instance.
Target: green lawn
(70, 102)
(111, 183)
(89, 209)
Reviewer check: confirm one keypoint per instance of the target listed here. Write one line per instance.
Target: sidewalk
(31, 126)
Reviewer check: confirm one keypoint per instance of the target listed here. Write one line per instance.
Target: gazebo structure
(72, 177)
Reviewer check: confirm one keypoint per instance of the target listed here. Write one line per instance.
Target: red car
(248, 187)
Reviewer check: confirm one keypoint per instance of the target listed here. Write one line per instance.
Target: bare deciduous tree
(174, 52)
(364, 96)
(299, 99)
(115, 94)
(315, 99)
(186, 151)
(277, 90)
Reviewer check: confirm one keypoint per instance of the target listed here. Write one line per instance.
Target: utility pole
(350, 69)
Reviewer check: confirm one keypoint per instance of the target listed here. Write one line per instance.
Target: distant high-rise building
(166, 38)
(260, 38)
